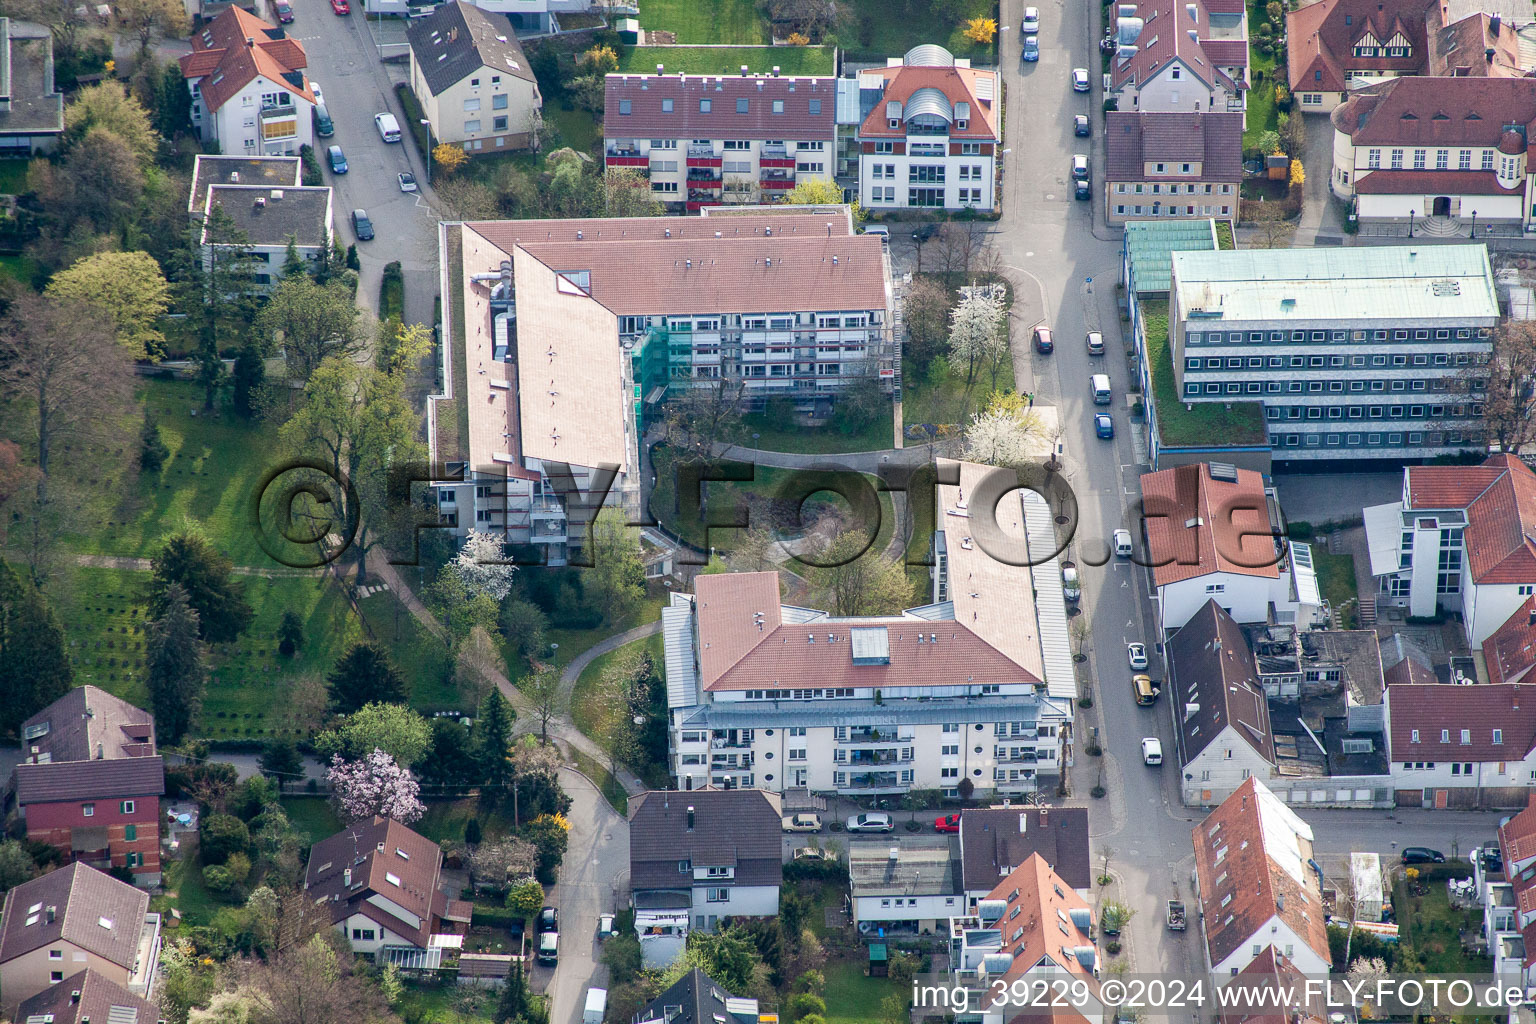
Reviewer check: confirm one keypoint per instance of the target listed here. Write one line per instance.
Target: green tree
(126, 289)
(514, 1004)
(402, 346)
(34, 664)
(624, 958)
(364, 675)
(855, 584)
(110, 107)
(525, 898)
(726, 956)
(16, 865)
(290, 634)
(173, 109)
(617, 577)
(550, 837)
(204, 575)
(803, 1003)
(176, 665)
(393, 728)
(450, 762)
(524, 626)
(218, 294)
(281, 760)
(222, 835)
(459, 610)
(294, 264)
(313, 322)
(152, 449)
(249, 376)
(491, 741)
(819, 192)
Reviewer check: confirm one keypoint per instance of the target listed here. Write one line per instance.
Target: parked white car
(1031, 22)
(874, 821)
(1137, 655)
(1152, 751)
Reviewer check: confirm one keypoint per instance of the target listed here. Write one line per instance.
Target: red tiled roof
(1197, 525)
(738, 653)
(644, 95)
(959, 85)
(1511, 650)
(1226, 53)
(1320, 39)
(1416, 111)
(1040, 905)
(1462, 48)
(1501, 526)
(1517, 842)
(1165, 38)
(1420, 183)
(1266, 972)
(1132, 139)
(1242, 885)
(237, 48)
(1434, 487)
(1443, 709)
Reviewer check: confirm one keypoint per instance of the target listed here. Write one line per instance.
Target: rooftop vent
(1225, 471)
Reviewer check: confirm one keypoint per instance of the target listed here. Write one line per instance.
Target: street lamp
(428, 126)
(1474, 223)
(1411, 213)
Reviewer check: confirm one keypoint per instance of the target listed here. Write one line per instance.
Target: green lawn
(611, 788)
(21, 269)
(727, 60)
(312, 814)
(1201, 423)
(449, 1004)
(853, 998)
(720, 21)
(420, 656)
(876, 29)
(1433, 927)
(1335, 576)
(590, 714)
(445, 819)
(13, 177)
(184, 890)
(940, 397)
(577, 128)
(1262, 114)
(759, 430)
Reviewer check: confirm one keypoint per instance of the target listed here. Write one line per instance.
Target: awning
(1383, 534)
(446, 942)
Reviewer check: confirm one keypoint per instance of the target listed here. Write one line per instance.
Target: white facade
(921, 172)
(1278, 933)
(365, 935)
(1177, 86)
(1223, 765)
(264, 118)
(923, 911)
(694, 173)
(1245, 598)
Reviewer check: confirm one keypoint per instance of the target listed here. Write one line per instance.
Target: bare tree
(542, 690)
(1269, 222)
(312, 983)
(1503, 385)
(702, 416)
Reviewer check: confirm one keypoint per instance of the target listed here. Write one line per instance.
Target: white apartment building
(711, 140)
(1460, 539)
(1178, 56)
(930, 132)
(267, 205)
(608, 316)
(249, 92)
(975, 688)
(472, 79)
(1355, 353)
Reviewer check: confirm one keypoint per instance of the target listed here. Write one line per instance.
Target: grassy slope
(720, 21)
(1203, 423)
(587, 711)
(940, 396)
(892, 27)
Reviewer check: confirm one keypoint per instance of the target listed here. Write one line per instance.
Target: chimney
(250, 40)
(101, 752)
(1495, 23)
(895, 853)
(261, 201)
(1488, 55)
(453, 34)
(660, 68)
(775, 71)
(234, 177)
(743, 69)
(74, 995)
(1279, 901)
(50, 914)
(1532, 620)
(690, 817)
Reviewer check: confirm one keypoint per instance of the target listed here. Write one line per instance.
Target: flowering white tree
(976, 333)
(483, 567)
(374, 785)
(1002, 435)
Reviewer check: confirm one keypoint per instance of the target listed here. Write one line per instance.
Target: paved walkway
(1319, 216)
(143, 565)
(859, 462)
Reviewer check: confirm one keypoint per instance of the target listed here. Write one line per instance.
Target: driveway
(1319, 223)
(594, 880)
(343, 61)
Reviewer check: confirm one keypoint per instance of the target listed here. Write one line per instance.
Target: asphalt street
(342, 59)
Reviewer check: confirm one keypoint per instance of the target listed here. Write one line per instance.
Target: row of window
(1421, 159)
(817, 146)
(498, 124)
(498, 102)
(1171, 210)
(933, 197)
(889, 148)
(1373, 412)
(1496, 736)
(1315, 387)
(1413, 439)
(1318, 362)
(123, 807)
(1194, 337)
(840, 779)
(1157, 188)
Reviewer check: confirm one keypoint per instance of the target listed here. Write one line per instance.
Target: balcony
(701, 151)
(730, 743)
(768, 158)
(626, 156)
(870, 734)
(874, 782)
(873, 757)
(703, 177)
(774, 179)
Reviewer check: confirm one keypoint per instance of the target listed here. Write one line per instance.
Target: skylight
(105, 922)
(392, 878)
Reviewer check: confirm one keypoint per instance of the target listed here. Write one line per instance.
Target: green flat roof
(727, 60)
(877, 951)
(1202, 424)
(1152, 243)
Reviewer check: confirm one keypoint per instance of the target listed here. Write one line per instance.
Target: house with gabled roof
(382, 884)
(1176, 56)
(88, 996)
(472, 79)
(1172, 165)
(72, 919)
(696, 998)
(1509, 900)
(1257, 885)
(90, 782)
(994, 841)
(1462, 539)
(1461, 746)
(249, 91)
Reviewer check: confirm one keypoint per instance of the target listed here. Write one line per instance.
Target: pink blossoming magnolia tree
(374, 785)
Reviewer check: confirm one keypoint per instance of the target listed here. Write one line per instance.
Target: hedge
(392, 292)
(495, 917)
(413, 118)
(311, 164)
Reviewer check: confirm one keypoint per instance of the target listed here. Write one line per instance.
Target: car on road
(338, 160)
(341, 6)
(1031, 22)
(284, 12)
(947, 823)
(549, 920)
(1079, 79)
(1082, 190)
(1043, 341)
(802, 823)
(1071, 584)
(1136, 654)
(362, 226)
(1151, 751)
(407, 181)
(605, 927)
(389, 128)
(1031, 49)
(873, 821)
(1095, 342)
(1080, 167)
(549, 942)
(1422, 855)
(1144, 690)
(1080, 125)
(1122, 543)
(1104, 427)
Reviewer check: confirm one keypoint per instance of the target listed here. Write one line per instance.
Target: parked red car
(948, 823)
(341, 6)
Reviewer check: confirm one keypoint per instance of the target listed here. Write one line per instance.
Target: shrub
(1085, 702)
(223, 835)
(311, 166)
(1298, 529)
(239, 867)
(218, 879)
(1097, 792)
(392, 291)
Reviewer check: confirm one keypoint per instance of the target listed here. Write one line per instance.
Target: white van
(1123, 543)
(1152, 751)
(1099, 383)
(388, 127)
(596, 1006)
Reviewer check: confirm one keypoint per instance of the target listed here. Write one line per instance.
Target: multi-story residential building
(381, 884)
(1437, 156)
(1461, 747)
(1460, 540)
(1509, 902)
(695, 858)
(994, 841)
(1338, 45)
(1363, 353)
(1212, 534)
(1176, 165)
(267, 209)
(472, 79)
(1177, 56)
(90, 782)
(86, 996)
(695, 998)
(31, 109)
(930, 133)
(913, 885)
(976, 687)
(573, 332)
(708, 140)
(249, 93)
(1257, 886)
(1031, 925)
(72, 919)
